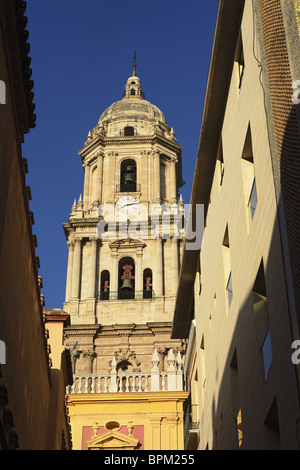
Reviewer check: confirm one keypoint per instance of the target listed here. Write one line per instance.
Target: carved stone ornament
(126, 355)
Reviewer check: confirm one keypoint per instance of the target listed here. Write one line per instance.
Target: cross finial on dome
(134, 65)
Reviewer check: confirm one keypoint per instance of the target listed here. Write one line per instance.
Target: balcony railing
(132, 382)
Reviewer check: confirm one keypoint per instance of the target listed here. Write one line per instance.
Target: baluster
(163, 376)
(93, 385)
(105, 385)
(86, 384)
(140, 384)
(79, 384)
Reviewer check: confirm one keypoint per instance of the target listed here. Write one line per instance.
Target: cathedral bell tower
(132, 165)
(124, 237)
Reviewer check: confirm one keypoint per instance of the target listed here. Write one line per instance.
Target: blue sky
(82, 56)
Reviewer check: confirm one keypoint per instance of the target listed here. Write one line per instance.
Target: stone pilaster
(87, 183)
(175, 264)
(70, 271)
(156, 176)
(76, 268)
(158, 268)
(173, 183)
(93, 263)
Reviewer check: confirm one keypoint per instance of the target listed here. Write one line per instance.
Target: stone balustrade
(132, 382)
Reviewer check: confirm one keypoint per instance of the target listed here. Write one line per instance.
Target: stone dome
(133, 115)
(133, 108)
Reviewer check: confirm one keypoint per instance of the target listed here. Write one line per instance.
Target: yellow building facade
(139, 421)
(125, 245)
(32, 406)
(242, 286)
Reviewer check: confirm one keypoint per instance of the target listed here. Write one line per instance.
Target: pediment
(112, 440)
(127, 243)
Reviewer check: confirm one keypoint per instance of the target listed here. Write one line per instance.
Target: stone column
(139, 276)
(114, 276)
(174, 257)
(155, 423)
(87, 183)
(93, 263)
(173, 432)
(158, 270)
(156, 177)
(70, 271)
(99, 177)
(88, 357)
(76, 269)
(173, 188)
(155, 375)
(111, 176)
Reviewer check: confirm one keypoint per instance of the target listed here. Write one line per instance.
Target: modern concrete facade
(242, 287)
(124, 258)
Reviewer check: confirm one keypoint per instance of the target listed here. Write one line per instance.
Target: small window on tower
(132, 92)
(129, 131)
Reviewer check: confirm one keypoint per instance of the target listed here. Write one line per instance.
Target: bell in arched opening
(127, 279)
(128, 176)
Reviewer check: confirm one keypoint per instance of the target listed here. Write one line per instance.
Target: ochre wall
(157, 417)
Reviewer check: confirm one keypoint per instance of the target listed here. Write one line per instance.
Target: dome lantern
(133, 88)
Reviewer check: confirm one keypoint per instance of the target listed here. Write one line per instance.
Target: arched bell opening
(125, 382)
(128, 176)
(124, 366)
(105, 285)
(147, 283)
(126, 279)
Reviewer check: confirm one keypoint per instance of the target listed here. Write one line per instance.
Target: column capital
(111, 154)
(77, 241)
(100, 153)
(93, 239)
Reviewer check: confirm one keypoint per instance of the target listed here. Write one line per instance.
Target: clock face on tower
(128, 205)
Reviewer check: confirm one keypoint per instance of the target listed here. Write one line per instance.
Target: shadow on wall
(260, 385)
(290, 187)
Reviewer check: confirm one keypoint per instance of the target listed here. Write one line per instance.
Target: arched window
(128, 176)
(126, 279)
(147, 282)
(132, 92)
(105, 285)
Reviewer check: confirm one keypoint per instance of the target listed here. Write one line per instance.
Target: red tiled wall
(286, 128)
